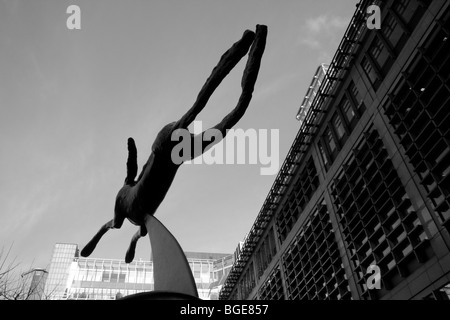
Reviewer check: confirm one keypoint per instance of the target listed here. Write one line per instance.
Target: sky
(69, 100)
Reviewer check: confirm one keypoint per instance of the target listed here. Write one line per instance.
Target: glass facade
(75, 278)
(221, 269)
(62, 258)
(107, 279)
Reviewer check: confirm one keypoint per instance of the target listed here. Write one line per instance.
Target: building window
(380, 55)
(339, 127)
(265, 253)
(305, 185)
(410, 11)
(114, 276)
(329, 140)
(356, 98)
(247, 283)
(376, 48)
(272, 289)
(140, 275)
(148, 276)
(371, 73)
(105, 277)
(197, 269)
(400, 6)
(349, 112)
(394, 33)
(323, 155)
(335, 136)
(132, 276)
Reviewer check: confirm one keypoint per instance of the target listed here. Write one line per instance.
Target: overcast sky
(69, 99)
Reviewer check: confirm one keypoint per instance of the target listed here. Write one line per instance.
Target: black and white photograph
(244, 152)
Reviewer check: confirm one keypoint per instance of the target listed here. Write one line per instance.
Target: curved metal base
(171, 272)
(159, 295)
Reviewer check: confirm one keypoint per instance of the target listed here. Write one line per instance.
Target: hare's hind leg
(115, 223)
(90, 246)
(142, 232)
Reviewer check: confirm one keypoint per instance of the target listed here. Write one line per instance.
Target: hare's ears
(132, 166)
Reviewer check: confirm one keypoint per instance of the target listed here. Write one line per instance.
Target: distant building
(238, 250)
(360, 208)
(76, 278)
(62, 258)
(311, 93)
(34, 283)
(221, 269)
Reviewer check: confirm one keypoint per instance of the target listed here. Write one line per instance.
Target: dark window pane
(357, 98)
(105, 276)
(114, 277)
(393, 32)
(330, 141)
(380, 55)
(323, 154)
(404, 9)
(400, 6)
(370, 72)
(338, 126)
(348, 110)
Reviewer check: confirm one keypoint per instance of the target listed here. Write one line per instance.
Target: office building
(360, 208)
(221, 269)
(62, 257)
(34, 283)
(72, 277)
